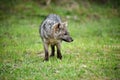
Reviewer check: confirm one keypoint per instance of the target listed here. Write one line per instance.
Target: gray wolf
(53, 31)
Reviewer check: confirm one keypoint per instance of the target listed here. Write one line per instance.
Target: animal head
(60, 32)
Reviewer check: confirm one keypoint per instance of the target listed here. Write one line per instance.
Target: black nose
(71, 39)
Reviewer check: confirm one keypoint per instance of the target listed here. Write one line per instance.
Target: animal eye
(65, 33)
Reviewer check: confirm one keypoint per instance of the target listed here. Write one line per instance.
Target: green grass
(94, 54)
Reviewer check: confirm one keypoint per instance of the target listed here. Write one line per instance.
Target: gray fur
(45, 28)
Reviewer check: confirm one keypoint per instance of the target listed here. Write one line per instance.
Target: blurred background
(71, 9)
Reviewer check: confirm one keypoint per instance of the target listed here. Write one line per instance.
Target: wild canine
(53, 31)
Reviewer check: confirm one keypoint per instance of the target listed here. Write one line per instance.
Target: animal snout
(70, 39)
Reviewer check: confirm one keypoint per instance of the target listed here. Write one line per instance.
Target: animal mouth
(68, 40)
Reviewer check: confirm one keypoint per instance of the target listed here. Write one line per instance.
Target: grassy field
(94, 54)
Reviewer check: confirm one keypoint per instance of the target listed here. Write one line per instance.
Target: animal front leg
(46, 51)
(52, 50)
(58, 51)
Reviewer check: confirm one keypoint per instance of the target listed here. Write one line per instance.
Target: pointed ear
(56, 26)
(65, 24)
